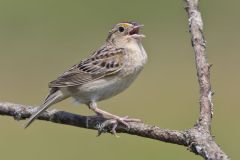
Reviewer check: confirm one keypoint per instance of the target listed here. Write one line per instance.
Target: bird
(103, 74)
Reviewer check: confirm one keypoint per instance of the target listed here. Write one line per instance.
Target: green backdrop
(39, 39)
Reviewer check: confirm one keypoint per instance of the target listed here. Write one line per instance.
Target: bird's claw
(113, 123)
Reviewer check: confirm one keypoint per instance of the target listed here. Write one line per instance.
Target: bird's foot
(114, 122)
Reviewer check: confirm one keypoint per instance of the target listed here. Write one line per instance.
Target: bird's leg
(114, 118)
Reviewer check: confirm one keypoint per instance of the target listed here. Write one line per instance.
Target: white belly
(103, 88)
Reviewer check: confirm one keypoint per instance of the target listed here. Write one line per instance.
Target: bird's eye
(120, 29)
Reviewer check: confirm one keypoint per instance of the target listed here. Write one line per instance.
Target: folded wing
(105, 62)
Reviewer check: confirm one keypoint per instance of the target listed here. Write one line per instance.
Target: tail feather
(51, 99)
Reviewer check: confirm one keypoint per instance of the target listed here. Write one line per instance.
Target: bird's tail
(53, 97)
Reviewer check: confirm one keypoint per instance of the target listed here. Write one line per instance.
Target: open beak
(135, 31)
(139, 26)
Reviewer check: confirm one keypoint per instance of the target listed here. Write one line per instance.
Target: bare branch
(202, 66)
(92, 122)
(204, 144)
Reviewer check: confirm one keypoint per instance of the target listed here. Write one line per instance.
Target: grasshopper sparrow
(104, 74)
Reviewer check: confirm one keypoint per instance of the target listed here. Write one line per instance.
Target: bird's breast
(136, 58)
(114, 84)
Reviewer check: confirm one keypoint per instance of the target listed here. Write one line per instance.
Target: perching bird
(105, 73)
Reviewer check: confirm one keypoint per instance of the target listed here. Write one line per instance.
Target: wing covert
(105, 62)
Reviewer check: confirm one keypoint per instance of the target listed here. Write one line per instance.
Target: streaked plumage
(105, 73)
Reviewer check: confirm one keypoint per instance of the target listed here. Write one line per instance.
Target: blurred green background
(39, 39)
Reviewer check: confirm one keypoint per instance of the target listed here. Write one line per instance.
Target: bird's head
(125, 32)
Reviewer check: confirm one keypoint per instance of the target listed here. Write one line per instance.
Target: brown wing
(106, 61)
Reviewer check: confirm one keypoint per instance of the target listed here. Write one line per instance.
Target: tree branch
(203, 143)
(92, 122)
(202, 66)
(198, 139)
